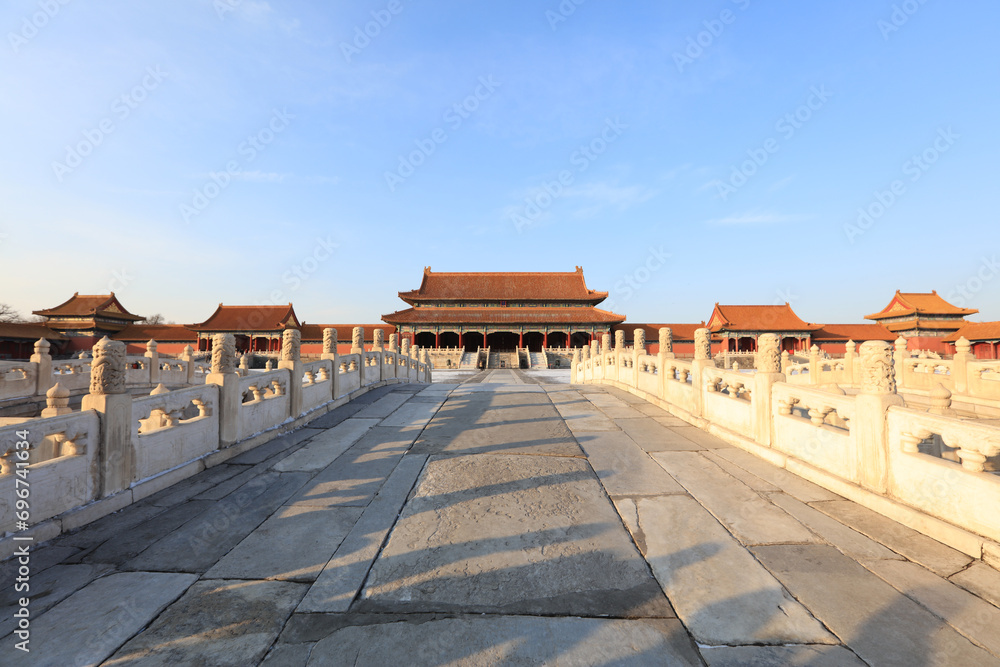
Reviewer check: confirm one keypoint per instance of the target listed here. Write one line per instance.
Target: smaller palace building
(739, 327)
(925, 320)
(503, 311)
(85, 319)
(257, 328)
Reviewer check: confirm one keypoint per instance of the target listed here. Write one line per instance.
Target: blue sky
(189, 152)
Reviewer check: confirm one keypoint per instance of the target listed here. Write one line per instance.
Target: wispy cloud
(782, 184)
(750, 219)
(253, 11)
(676, 171)
(323, 180)
(603, 193)
(258, 176)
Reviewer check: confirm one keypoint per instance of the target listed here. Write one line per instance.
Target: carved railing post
(154, 362)
(960, 366)
(56, 402)
(394, 343)
(640, 341)
(638, 348)
(358, 341)
(768, 363)
(702, 360)
(870, 425)
(412, 372)
(187, 356)
(225, 377)
(43, 366)
(850, 360)
(667, 343)
(899, 357)
(109, 398)
(575, 375)
(378, 346)
(291, 360)
(664, 353)
(814, 367)
(330, 354)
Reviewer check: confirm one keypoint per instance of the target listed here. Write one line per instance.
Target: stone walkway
(502, 521)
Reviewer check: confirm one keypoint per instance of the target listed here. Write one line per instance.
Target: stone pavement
(502, 521)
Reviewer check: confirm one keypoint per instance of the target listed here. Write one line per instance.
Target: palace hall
(503, 311)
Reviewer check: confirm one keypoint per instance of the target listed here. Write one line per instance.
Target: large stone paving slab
(703, 438)
(511, 535)
(881, 625)
(87, 627)
(217, 623)
(201, 542)
(356, 476)
(324, 448)
(975, 618)
(848, 541)
(915, 546)
(579, 413)
(509, 641)
(45, 590)
(982, 580)
(384, 406)
(492, 423)
(614, 407)
(788, 482)
(293, 545)
(413, 413)
(750, 517)
(721, 593)
(344, 574)
(653, 436)
(130, 543)
(624, 468)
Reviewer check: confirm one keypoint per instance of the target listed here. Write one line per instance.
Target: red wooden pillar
(545, 340)
(521, 340)
(437, 340)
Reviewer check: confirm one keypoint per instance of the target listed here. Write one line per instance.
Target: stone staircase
(468, 360)
(503, 360)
